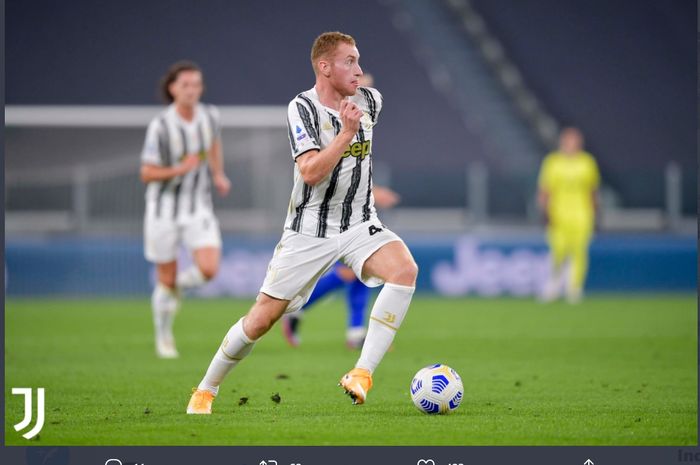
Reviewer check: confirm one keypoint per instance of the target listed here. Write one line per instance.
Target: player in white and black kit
(181, 159)
(331, 217)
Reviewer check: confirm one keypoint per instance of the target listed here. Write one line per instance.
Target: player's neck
(328, 96)
(186, 112)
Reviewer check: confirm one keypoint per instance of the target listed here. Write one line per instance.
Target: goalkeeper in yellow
(568, 196)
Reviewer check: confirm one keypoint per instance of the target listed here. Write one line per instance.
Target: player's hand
(350, 115)
(385, 197)
(188, 163)
(222, 184)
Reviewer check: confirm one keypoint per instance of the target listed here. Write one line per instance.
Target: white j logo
(27, 393)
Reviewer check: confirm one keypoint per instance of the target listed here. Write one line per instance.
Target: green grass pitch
(615, 370)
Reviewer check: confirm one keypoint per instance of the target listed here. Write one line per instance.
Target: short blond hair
(326, 43)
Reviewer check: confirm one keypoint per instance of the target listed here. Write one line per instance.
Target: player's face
(570, 141)
(345, 69)
(187, 88)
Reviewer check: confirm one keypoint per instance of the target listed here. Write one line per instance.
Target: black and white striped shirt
(344, 198)
(168, 139)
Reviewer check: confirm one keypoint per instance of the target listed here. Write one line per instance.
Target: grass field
(615, 370)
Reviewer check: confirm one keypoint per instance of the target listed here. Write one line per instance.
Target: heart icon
(426, 462)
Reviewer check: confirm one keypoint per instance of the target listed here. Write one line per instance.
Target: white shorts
(162, 237)
(299, 260)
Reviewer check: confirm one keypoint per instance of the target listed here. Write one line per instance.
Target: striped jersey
(344, 198)
(168, 139)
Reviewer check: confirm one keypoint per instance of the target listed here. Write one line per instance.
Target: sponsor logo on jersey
(358, 149)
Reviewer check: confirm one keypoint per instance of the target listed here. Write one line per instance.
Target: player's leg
(204, 268)
(556, 240)
(377, 256)
(357, 295)
(394, 265)
(334, 279)
(580, 239)
(237, 344)
(165, 303)
(298, 262)
(160, 248)
(203, 237)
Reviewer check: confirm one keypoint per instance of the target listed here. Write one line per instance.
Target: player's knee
(209, 270)
(346, 274)
(405, 274)
(168, 280)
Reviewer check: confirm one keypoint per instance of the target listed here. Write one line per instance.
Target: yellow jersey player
(568, 196)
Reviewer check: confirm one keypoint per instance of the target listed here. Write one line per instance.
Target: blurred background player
(331, 217)
(356, 293)
(181, 157)
(568, 196)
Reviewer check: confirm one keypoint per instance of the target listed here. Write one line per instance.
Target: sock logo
(374, 230)
(27, 393)
(389, 317)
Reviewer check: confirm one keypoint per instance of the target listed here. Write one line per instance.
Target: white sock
(164, 302)
(387, 314)
(191, 277)
(236, 346)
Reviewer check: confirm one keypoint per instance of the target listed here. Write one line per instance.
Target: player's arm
(216, 165)
(153, 157)
(543, 199)
(543, 188)
(385, 197)
(315, 165)
(150, 172)
(595, 186)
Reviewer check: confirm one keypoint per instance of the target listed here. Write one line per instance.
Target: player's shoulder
(306, 98)
(370, 96)
(371, 91)
(159, 120)
(210, 108)
(588, 156)
(552, 157)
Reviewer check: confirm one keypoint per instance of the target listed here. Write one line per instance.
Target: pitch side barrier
(456, 266)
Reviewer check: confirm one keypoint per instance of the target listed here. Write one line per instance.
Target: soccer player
(181, 158)
(568, 196)
(340, 276)
(331, 217)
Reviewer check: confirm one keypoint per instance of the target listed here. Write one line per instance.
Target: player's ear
(324, 67)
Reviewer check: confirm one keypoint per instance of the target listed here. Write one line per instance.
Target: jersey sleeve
(545, 180)
(375, 102)
(301, 125)
(214, 117)
(594, 174)
(152, 147)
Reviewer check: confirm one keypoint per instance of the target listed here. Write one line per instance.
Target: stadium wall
(452, 266)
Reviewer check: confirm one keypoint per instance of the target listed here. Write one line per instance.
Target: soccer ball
(437, 389)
